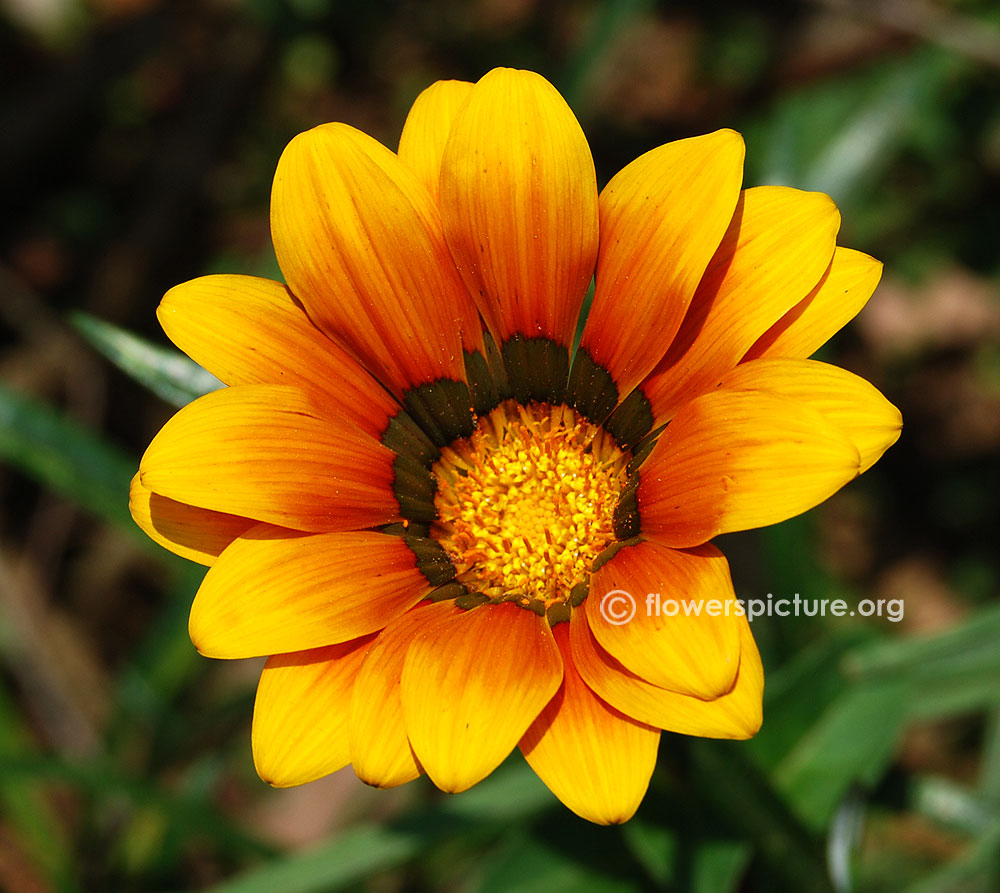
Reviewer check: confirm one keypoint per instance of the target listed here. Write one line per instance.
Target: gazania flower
(417, 491)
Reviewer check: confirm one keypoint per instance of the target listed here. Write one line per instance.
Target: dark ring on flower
(537, 369)
(626, 519)
(442, 408)
(631, 421)
(432, 560)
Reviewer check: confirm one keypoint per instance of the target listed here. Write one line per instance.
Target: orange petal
(519, 202)
(870, 421)
(360, 244)
(837, 299)
(472, 685)
(735, 460)
(380, 750)
(684, 634)
(736, 714)
(590, 755)
(422, 142)
(662, 218)
(777, 248)
(300, 717)
(246, 330)
(193, 533)
(271, 593)
(264, 451)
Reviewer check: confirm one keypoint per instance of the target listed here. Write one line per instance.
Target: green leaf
(976, 871)
(989, 773)
(950, 804)
(529, 865)
(852, 742)
(65, 457)
(797, 693)
(947, 674)
(719, 866)
(27, 812)
(507, 798)
(747, 804)
(654, 848)
(167, 373)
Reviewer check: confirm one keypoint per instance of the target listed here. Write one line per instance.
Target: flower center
(527, 503)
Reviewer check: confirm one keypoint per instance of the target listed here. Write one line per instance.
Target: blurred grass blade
(608, 21)
(65, 457)
(353, 856)
(950, 673)
(797, 693)
(948, 803)
(747, 802)
(842, 840)
(29, 816)
(653, 847)
(508, 797)
(989, 773)
(719, 866)
(866, 141)
(852, 742)
(976, 871)
(529, 865)
(167, 373)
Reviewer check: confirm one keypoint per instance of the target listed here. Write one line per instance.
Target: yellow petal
(271, 592)
(265, 452)
(518, 197)
(837, 299)
(472, 685)
(360, 244)
(777, 248)
(871, 422)
(684, 634)
(193, 533)
(300, 716)
(591, 756)
(736, 714)
(246, 330)
(380, 750)
(662, 218)
(735, 460)
(422, 142)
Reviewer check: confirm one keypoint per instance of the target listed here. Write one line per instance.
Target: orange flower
(415, 493)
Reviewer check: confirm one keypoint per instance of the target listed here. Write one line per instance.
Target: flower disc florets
(527, 503)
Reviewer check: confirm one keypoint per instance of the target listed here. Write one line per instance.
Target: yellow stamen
(527, 502)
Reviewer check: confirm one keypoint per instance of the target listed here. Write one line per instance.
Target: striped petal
(422, 142)
(776, 249)
(300, 716)
(265, 452)
(855, 406)
(472, 685)
(662, 218)
(196, 534)
(380, 749)
(735, 460)
(736, 714)
(684, 635)
(271, 593)
(360, 244)
(518, 196)
(246, 330)
(591, 756)
(837, 299)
